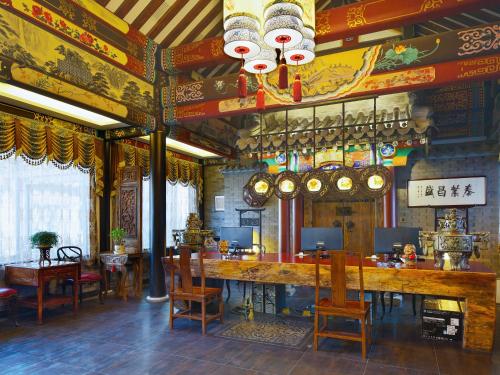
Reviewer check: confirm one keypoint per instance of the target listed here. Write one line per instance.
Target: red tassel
(242, 84)
(297, 89)
(261, 100)
(283, 74)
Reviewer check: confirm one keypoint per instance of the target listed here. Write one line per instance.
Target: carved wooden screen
(130, 207)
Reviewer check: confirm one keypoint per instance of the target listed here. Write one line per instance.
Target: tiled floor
(133, 338)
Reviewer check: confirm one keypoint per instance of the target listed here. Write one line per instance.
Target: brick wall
(229, 183)
(479, 218)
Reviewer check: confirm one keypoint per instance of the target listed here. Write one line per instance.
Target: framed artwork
(447, 192)
(219, 203)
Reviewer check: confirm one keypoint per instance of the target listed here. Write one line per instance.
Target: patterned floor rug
(268, 329)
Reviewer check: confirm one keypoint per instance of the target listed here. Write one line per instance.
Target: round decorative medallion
(261, 185)
(388, 150)
(314, 183)
(344, 182)
(376, 181)
(287, 185)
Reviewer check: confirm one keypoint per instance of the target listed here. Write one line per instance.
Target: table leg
(136, 279)
(141, 270)
(39, 296)
(124, 281)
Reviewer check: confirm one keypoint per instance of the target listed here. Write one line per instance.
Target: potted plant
(117, 234)
(44, 241)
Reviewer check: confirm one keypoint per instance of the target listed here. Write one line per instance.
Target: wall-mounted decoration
(447, 192)
(219, 203)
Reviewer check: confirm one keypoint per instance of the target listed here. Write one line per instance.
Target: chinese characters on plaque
(460, 191)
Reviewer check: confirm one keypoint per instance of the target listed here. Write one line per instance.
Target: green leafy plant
(44, 239)
(117, 234)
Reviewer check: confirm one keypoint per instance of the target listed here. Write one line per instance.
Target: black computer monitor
(385, 238)
(321, 238)
(238, 237)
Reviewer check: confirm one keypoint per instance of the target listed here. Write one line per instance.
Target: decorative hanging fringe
(261, 99)
(283, 74)
(297, 89)
(242, 84)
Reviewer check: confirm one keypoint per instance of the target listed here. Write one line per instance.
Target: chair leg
(221, 308)
(80, 293)
(382, 302)
(228, 287)
(316, 323)
(204, 317)
(171, 313)
(392, 299)
(414, 303)
(13, 309)
(369, 330)
(101, 301)
(363, 339)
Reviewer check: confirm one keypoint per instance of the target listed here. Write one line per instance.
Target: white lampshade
(303, 52)
(274, 8)
(240, 42)
(283, 30)
(264, 62)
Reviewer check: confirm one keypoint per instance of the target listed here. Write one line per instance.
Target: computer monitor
(238, 237)
(385, 238)
(321, 238)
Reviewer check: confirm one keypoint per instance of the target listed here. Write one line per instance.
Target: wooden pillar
(105, 202)
(390, 203)
(298, 222)
(157, 219)
(284, 227)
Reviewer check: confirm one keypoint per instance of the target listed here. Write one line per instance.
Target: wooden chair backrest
(71, 254)
(338, 287)
(184, 268)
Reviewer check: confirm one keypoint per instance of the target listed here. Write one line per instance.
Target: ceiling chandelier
(254, 29)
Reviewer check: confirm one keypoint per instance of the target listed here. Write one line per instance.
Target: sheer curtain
(41, 198)
(181, 201)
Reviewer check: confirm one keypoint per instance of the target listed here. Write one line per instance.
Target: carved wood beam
(336, 23)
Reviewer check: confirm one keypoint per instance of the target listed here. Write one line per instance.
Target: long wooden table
(35, 275)
(476, 286)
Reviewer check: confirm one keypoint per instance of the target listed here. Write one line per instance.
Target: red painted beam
(336, 23)
(418, 78)
(284, 228)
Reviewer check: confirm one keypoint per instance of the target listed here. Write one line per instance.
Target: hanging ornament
(297, 89)
(263, 62)
(302, 53)
(242, 84)
(261, 99)
(283, 73)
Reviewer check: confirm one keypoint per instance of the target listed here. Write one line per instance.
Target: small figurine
(409, 253)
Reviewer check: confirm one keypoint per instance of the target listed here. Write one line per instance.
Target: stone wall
(229, 183)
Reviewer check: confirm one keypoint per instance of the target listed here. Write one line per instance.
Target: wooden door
(357, 219)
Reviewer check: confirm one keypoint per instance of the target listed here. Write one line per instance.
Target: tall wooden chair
(74, 254)
(186, 291)
(338, 305)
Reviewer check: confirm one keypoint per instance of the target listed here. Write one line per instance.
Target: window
(41, 198)
(181, 201)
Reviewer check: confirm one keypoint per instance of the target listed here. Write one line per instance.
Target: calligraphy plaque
(447, 192)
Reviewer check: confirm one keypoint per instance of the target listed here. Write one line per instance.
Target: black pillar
(158, 211)
(104, 210)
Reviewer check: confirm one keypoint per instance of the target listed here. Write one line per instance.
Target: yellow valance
(179, 170)
(37, 141)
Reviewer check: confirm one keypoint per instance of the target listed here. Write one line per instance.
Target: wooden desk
(476, 286)
(32, 274)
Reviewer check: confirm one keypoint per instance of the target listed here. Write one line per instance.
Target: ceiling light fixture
(44, 102)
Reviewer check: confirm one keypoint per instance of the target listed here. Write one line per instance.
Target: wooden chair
(74, 254)
(186, 291)
(9, 295)
(338, 304)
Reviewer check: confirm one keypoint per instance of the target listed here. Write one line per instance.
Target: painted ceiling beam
(333, 24)
(413, 64)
